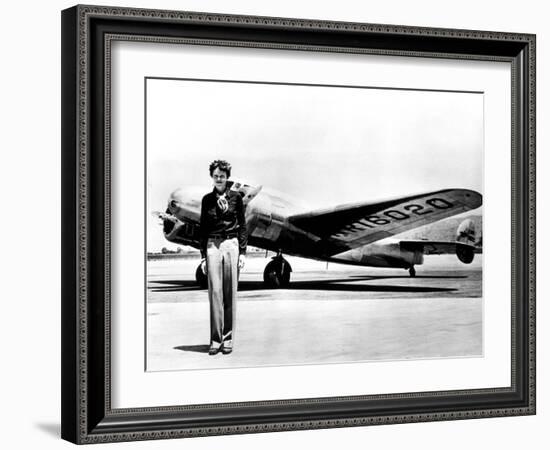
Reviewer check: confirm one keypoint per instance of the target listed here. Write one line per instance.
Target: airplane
(357, 233)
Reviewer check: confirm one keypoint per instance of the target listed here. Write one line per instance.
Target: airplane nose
(185, 204)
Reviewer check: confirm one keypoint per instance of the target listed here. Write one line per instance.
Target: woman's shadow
(193, 348)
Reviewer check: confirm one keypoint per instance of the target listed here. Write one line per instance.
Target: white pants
(222, 261)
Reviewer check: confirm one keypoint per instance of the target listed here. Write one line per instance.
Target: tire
(273, 278)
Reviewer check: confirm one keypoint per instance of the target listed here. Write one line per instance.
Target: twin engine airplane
(358, 234)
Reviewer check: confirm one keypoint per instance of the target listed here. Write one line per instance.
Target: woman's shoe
(214, 349)
(227, 347)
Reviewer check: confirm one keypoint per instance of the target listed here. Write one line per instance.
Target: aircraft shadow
(173, 286)
(314, 285)
(193, 348)
(408, 277)
(332, 284)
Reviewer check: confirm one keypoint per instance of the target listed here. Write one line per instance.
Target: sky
(322, 146)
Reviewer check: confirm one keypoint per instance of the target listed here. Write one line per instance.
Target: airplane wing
(358, 224)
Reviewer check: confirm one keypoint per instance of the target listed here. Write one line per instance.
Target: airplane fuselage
(269, 228)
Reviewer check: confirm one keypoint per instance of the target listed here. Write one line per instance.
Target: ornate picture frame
(88, 415)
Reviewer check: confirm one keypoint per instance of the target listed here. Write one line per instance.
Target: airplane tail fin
(466, 232)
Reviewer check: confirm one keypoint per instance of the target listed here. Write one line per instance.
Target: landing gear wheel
(202, 279)
(277, 273)
(412, 272)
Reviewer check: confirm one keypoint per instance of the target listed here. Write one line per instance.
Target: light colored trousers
(222, 261)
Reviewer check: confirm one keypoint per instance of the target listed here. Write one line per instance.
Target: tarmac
(329, 314)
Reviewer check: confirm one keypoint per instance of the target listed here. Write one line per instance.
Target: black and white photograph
(275, 223)
(297, 224)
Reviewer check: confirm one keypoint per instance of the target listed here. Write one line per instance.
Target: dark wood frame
(87, 416)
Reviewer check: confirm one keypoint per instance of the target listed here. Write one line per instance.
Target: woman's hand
(242, 260)
(203, 265)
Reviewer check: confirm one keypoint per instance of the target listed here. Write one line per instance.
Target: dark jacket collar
(227, 191)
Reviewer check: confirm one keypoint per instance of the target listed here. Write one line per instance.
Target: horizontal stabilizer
(435, 247)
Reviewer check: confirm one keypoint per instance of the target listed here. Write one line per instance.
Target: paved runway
(327, 315)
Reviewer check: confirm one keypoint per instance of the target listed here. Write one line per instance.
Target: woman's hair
(222, 165)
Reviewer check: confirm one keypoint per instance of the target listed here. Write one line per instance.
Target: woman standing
(223, 249)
